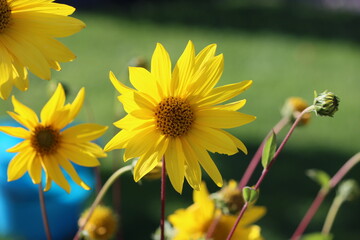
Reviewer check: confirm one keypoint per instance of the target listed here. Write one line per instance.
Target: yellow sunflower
(27, 32)
(178, 115)
(193, 222)
(47, 145)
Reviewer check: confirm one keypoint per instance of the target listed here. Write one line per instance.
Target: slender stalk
(257, 156)
(43, 213)
(163, 198)
(266, 170)
(322, 194)
(100, 196)
(329, 220)
(245, 206)
(212, 227)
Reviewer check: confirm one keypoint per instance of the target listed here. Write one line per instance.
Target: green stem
(335, 206)
(100, 196)
(43, 213)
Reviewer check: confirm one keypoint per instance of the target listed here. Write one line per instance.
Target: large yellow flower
(178, 115)
(193, 223)
(27, 32)
(47, 145)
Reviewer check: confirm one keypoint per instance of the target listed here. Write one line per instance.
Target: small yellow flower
(47, 145)
(293, 107)
(102, 224)
(193, 222)
(27, 40)
(179, 115)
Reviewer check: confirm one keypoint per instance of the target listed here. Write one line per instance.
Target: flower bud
(102, 224)
(349, 190)
(155, 173)
(293, 107)
(326, 103)
(229, 199)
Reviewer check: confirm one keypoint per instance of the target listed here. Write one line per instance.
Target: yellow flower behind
(102, 224)
(193, 223)
(178, 114)
(47, 145)
(27, 32)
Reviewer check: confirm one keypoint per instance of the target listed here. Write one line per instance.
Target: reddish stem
(256, 158)
(322, 194)
(237, 221)
(266, 170)
(43, 213)
(163, 198)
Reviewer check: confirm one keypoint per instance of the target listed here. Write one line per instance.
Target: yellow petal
(239, 144)
(18, 165)
(161, 67)
(72, 172)
(208, 164)
(221, 94)
(216, 118)
(77, 104)
(120, 87)
(16, 131)
(234, 106)
(55, 103)
(175, 160)
(204, 56)
(184, 70)
(53, 170)
(144, 165)
(76, 155)
(192, 167)
(143, 81)
(26, 113)
(212, 139)
(34, 166)
(83, 132)
(27, 54)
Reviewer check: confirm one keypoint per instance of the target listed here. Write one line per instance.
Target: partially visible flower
(229, 199)
(194, 222)
(293, 107)
(155, 173)
(48, 145)
(27, 40)
(180, 115)
(102, 224)
(326, 103)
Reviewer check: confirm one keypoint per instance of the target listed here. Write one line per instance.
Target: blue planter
(20, 214)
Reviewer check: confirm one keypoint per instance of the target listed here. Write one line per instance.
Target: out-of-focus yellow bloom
(27, 32)
(102, 224)
(193, 222)
(47, 145)
(179, 114)
(293, 107)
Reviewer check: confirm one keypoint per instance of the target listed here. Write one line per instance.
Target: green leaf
(317, 236)
(319, 176)
(250, 195)
(269, 150)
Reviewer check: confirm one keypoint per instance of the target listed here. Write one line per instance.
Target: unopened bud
(326, 103)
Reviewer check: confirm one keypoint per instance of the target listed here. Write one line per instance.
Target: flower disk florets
(45, 140)
(5, 13)
(174, 116)
(326, 104)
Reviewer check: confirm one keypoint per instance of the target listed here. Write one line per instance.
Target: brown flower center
(45, 140)
(174, 116)
(5, 13)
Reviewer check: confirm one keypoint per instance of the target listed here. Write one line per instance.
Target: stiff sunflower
(193, 222)
(47, 145)
(27, 32)
(178, 115)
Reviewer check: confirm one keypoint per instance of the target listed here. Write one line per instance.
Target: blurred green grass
(281, 66)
